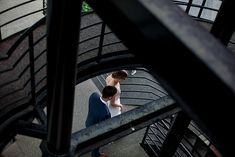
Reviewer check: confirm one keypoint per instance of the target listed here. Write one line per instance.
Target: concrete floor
(124, 147)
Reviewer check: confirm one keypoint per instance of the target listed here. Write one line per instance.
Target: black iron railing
(170, 30)
(194, 142)
(96, 53)
(21, 79)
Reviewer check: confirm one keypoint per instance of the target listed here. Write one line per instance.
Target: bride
(114, 79)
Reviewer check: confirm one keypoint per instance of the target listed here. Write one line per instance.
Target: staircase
(24, 77)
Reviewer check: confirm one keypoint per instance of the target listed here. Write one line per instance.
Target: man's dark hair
(109, 91)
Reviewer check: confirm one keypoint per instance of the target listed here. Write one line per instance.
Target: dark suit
(97, 112)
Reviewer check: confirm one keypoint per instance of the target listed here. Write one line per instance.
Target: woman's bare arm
(114, 104)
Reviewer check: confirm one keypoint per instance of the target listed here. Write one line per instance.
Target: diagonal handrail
(120, 126)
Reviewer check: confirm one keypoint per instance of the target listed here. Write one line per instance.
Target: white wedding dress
(116, 110)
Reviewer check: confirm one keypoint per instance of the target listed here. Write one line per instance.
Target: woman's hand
(121, 107)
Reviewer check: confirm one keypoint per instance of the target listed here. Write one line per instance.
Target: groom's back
(97, 111)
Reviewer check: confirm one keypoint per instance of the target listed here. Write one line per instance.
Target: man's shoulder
(94, 95)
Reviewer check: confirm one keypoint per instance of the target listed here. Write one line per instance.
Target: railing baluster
(175, 135)
(32, 68)
(201, 8)
(101, 40)
(189, 4)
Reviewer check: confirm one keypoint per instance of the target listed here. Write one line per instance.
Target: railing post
(175, 135)
(190, 2)
(201, 8)
(31, 62)
(101, 39)
(44, 6)
(145, 134)
(63, 23)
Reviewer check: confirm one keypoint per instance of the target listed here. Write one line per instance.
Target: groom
(98, 111)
